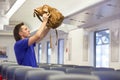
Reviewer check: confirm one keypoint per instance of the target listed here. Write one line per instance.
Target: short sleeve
(23, 43)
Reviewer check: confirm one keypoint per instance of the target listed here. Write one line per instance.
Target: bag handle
(37, 14)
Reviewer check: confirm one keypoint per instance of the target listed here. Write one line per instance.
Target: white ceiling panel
(68, 8)
(95, 15)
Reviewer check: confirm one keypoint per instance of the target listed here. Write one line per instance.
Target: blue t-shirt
(25, 54)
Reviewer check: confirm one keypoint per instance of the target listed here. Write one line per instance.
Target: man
(24, 46)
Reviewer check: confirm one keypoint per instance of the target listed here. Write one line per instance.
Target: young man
(24, 46)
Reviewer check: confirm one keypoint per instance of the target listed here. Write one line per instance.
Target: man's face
(24, 31)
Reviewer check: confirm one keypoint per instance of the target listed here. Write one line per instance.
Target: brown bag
(55, 19)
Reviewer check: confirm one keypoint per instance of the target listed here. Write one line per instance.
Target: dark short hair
(16, 31)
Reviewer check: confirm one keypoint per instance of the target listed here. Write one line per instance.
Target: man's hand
(45, 17)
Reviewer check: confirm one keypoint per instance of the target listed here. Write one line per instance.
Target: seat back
(11, 69)
(6, 64)
(85, 67)
(41, 75)
(78, 71)
(103, 69)
(69, 65)
(118, 70)
(59, 68)
(107, 75)
(4, 68)
(72, 77)
(45, 66)
(20, 73)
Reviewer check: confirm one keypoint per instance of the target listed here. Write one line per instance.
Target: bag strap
(37, 14)
(56, 36)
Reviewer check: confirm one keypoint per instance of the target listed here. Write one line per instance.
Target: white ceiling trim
(15, 7)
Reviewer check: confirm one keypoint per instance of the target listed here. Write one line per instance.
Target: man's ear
(20, 33)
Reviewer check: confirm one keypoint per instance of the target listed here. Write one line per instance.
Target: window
(102, 40)
(60, 51)
(39, 52)
(48, 52)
